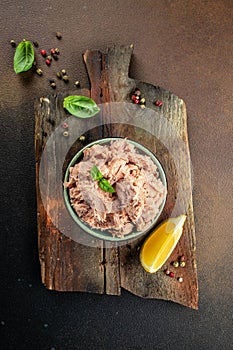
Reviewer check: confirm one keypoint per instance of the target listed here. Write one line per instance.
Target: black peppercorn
(13, 43)
(35, 43)
(58, 35)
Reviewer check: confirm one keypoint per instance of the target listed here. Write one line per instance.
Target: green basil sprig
(102, 182)
(24, 57)
(80, 106)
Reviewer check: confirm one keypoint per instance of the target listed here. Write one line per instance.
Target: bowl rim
(101, 234)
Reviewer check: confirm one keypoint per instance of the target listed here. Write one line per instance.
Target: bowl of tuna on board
(115, 189)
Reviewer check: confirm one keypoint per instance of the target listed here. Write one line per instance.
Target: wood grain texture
(67, 265)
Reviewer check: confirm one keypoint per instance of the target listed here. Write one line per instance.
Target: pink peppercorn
(158, 103)
(65, 125)
(48, 62)
(171, 274)
(43, 53)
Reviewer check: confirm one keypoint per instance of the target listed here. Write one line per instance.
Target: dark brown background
(184, 46)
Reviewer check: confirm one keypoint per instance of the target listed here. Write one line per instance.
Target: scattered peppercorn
(175, 263)
(59, 75)
(143, 100)
(39, 71)
(58, 35)
(158, 103)
(57, 51)
(65, 78)
(82, 138)
(49, 58)
(13, 43)
(171, 274)
(143, 106)
(55, 57)
(77, 83)
(182, 258)
(65, 133)
(53, 51)
(35, 43)
(43, 53)
(137, 92)
(53, 85)
(48, 62)
(182, 264)
(180, 279)
(167, 272)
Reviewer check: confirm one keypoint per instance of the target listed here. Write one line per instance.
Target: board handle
(109, 73)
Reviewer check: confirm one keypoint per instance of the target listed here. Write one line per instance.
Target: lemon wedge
(157, 248)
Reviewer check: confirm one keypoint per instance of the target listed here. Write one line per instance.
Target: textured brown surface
(185, 47)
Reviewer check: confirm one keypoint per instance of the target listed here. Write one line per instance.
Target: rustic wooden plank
(65, 265)
(115, 85)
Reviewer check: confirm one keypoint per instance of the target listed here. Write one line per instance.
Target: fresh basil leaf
(95, 173)
(105, 185)
(80, 106)
(24, 57)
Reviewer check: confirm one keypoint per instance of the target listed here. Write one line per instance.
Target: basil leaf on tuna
(105, 185)
(95, 173)
(24, 57)
(80, 106)
(102, 182)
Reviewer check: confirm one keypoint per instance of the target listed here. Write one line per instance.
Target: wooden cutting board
(67, 265)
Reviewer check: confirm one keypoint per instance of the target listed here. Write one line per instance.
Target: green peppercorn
(175, 263)
(143, 100)
(59, 75)
(49, 58)
(39, 71)
(77, 83)
(63, 71)
(65, 78)
(53, 85)
(57, 51)
(82, 138)
(182, 264)
(142, 106)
